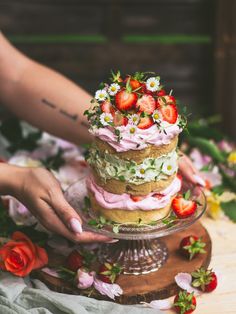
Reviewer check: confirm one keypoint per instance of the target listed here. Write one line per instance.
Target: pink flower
(19, 213)
(184, 281)
(199, 160)
(84, 279)
(213, 176)
(111, 290)
(225, 146)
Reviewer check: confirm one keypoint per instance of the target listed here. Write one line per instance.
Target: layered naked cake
(134, 157)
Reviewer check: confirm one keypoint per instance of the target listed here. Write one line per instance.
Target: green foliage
(12, 130)
(54, 162)
(229, 209)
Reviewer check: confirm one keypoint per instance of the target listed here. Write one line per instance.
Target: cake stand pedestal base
(158, 284)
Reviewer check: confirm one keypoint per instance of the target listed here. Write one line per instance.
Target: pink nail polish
(199, 180)
(113, 241)
(75, 225)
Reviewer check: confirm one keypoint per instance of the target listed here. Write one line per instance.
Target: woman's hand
(41, 193)
(189, 172)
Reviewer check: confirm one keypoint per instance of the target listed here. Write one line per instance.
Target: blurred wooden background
(85, 39)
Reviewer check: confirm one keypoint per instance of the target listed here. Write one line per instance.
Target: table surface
(223, 299)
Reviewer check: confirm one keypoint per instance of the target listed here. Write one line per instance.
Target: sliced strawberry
(165, 100)
(119, 119)
(169, 113)
(106, 106)
(125, 100)
(145, 123)
(74, 261)
(146, 104)
(161, 93)
(159, 196)
(133, 83)
(205, 279)
(183, 208)
(137, 198)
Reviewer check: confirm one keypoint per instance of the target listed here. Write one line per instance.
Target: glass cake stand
(139, 249)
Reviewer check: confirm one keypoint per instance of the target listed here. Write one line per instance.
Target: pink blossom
(213, 176)
(199, 160)
(164, 304)
(184, 281)
(225, 146)
(84, 279)
(19, 213)
(111, 290)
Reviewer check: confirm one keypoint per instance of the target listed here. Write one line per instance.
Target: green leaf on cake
(115, 229)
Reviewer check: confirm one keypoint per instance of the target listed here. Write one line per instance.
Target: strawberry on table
(183, 207)
(74, 261)
(205, 279)
(184, 302)
(108, 272)
(125, 100)
(145, 123)
(146, 104)
(191, 246)
(169, 113)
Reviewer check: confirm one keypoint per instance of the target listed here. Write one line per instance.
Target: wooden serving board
(156, 285)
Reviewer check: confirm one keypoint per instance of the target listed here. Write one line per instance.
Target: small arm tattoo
(48, 103)
(73, 117)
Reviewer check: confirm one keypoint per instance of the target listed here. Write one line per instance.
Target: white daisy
(101, 94)
(141, 171)
(152, 84)
(132, 129)
(134, 119)
(156, 116)
(169, 167)
(106, 118)
(113, 89)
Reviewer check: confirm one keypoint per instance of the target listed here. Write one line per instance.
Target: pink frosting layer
(129, 141)
(123, 201)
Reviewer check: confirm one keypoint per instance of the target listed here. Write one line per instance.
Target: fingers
(67, 214)
(49, 219)
(188, 171)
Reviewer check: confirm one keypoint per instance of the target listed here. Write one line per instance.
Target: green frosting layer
(109, 166)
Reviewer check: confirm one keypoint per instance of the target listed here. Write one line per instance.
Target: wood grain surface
(156, 285)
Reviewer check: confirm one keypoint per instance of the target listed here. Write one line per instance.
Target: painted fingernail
(75, 225)
(113, 241)
(199, 180)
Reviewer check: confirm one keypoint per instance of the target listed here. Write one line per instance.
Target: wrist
(11, 179)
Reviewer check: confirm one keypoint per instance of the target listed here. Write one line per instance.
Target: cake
(134, 156)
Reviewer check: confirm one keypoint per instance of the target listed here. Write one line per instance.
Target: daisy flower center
(156, 116)
(169, 167)
(142, 171)
(152, 84)
(132, 130)
(107, 119)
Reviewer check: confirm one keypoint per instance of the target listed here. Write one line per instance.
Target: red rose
(20, 256)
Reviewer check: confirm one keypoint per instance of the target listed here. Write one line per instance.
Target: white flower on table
(101, 94)
(170, 166)
(134, 119)
(113, 89)
(156, 116)
(111, 290)
(106, 118)
(153, 84)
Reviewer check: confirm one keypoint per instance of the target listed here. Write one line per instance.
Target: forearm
(43, 97)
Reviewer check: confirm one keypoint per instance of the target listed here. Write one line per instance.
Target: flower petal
(164, 304)
(111, 290)
(184, 280)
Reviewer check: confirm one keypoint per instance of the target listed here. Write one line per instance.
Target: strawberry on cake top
(133, 113)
